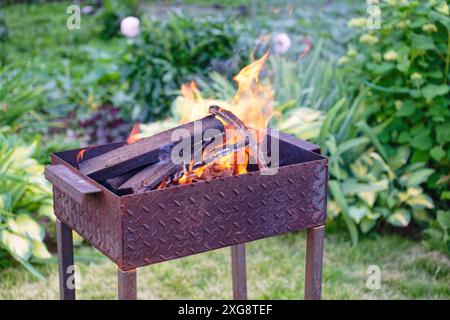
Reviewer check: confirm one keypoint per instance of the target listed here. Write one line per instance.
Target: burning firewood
(143, 152)
(114, 183)
(146, 164)
(241, 128)
(149, 177)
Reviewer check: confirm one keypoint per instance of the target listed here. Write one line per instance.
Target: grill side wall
(176, 222)
(97, 220)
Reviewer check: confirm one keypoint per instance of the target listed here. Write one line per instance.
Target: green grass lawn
(275, 270)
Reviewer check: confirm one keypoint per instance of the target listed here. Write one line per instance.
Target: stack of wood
(142, 166)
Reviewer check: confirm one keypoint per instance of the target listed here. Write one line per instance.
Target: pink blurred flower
(130, 26)
(281, 43)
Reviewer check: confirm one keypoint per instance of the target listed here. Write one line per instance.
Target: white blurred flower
(281, 43)
(130, 26)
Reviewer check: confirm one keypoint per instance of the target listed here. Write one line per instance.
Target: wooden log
(114, 183)
(144, 152)
(149, 177)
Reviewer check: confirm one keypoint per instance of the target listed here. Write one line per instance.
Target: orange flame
(80, 155)
(134, 134)
(252, 104)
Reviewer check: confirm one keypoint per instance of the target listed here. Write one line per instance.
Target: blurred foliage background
(376, 101)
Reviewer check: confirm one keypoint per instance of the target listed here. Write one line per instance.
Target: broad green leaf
(445, 20)
(368, 197)
(421, 201)
(350, 144)
(422, 42)
(414, 192)
(306, 131)
(351, 187)
(340, 199)
(367, 224)
(40, 250)
(377, 158)
(331, 114)
(357, 212)
(404, 66)
(443, 218)
(359, 170)
(420, 215)
(25, 226)
(422, 141)
(400, 218)
(333, 208)
(408, 108)
(418, 177)
(15, 244)
(400, 158)
(6, 201)
(430, 91)
(380, 68)
(363, 126)
(46, 210)
(437, 153)
(403, 196)
(443, 133)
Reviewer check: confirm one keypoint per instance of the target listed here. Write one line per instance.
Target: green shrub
(167, 53)
(406, 64)
(367, 185)
(24, 197)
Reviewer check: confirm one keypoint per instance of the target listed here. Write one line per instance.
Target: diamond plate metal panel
(97, 219)
(180, 221)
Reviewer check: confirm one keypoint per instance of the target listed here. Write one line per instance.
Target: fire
(252, 104)
(134, 134)
(80, 155)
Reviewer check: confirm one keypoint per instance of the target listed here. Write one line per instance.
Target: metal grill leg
(127, 284)
(239, 272)
(314, 256)
(66, 265)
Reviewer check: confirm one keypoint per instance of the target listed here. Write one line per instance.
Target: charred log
(145, 151)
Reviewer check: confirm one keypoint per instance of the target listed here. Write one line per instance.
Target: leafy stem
(447, 59)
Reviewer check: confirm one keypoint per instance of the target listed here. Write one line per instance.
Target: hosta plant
(24, 197)
(406, 64)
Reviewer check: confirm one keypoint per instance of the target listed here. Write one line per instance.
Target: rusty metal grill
(146, 228)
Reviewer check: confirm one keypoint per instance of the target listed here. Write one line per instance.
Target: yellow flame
(252, 103)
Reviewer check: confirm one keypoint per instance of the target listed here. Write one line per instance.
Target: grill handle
(73, 184)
